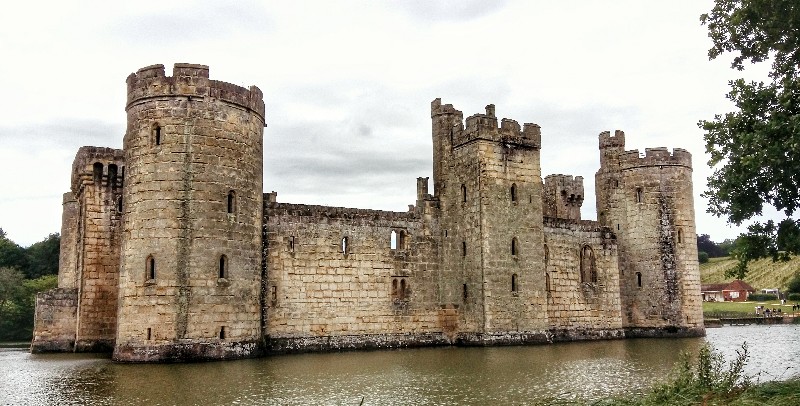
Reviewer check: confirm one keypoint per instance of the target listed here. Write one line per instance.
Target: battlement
(562, 196)
(94, 165)
(655, 157)
(612, 141)
(485, 127)
(190, 80)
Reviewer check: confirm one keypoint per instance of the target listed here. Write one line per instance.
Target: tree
(705, 244)
(755, 150)
(42, 257)
(11, 254)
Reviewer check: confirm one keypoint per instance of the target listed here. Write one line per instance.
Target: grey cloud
(65, 133)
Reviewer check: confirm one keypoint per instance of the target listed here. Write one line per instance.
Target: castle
(171, 251)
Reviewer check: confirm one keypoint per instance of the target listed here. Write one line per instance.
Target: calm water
(430, 376)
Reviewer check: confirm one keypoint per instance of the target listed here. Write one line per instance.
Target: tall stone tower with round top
(192, 207)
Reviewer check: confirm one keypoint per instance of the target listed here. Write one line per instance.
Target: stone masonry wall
(55, 320)
(580, 307)
(190, 281)
(334, 280)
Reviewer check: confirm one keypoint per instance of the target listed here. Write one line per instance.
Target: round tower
(648, 202)
(192, 208)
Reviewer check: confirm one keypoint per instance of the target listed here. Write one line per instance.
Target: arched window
(119, 204)
(291, 244)
(680, 235)
(223, 266)
(514, 246)
(231, 202)
(588, 271)
(344, 245)
(639, 279)
(97, 172)
(402, 288)
(393, 240)
(222, 333)
(150, 268)
(513, 192)
(514, 283)
(463, 193)
(639, 195)
(157, 134)
(395, 288)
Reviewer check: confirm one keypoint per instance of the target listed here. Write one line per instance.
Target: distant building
(736, 291)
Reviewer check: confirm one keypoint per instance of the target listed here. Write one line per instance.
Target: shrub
(761, 297)
(702, 256)
(794, 296)
(794, 284)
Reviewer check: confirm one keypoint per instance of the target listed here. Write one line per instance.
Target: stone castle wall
(171, 252)
(191, 269)
(337, 279)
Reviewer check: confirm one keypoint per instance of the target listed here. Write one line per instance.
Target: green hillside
(761, 274)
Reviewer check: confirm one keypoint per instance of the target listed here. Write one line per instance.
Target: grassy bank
(761, 274)
(715, 310)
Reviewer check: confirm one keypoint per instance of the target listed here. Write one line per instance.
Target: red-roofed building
(736, 291)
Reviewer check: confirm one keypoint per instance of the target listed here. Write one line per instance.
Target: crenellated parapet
(612, 141)
(486, 127)
(655, 157)
(191, 81)
(97, 165)
(563, 196)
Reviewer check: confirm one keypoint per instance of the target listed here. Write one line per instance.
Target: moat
(446, 375)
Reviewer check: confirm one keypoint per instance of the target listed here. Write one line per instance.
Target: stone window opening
(222, 333)
(112, 176)
(639, 279)
(400, 288)
(546, 256)
(514, 286)
(514, 246)
(397, 240)
(223, 267)
(119, 204)
(547, 287)
(150, 268)
(291, 244)
(97, 173)
(513, 192)
(463, 193)
(273, 295)
(639, 195)
(680, 236)
(231, 202)
(122, 177)
(344, 246)
(149, 334)
(464, 293)
(157, 134)
(588, 271)
(463, 248)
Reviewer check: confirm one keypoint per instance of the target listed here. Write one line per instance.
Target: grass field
(713, 310)
(761, 274)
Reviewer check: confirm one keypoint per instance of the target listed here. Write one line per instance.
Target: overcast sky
(348, 86)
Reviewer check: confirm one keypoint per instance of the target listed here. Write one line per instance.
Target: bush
(794, 296)
(761, 297)
(702, 256)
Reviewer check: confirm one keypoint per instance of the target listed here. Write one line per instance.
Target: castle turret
(191, 266)
(487, 177)
(647, 201)
(563, 197)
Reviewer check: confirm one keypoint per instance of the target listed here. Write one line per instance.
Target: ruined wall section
(648, 201)
(583, 291)
(55, 321)
(190, 279)
(334, 280)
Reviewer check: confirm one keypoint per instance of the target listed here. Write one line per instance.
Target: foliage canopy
(755, 150)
